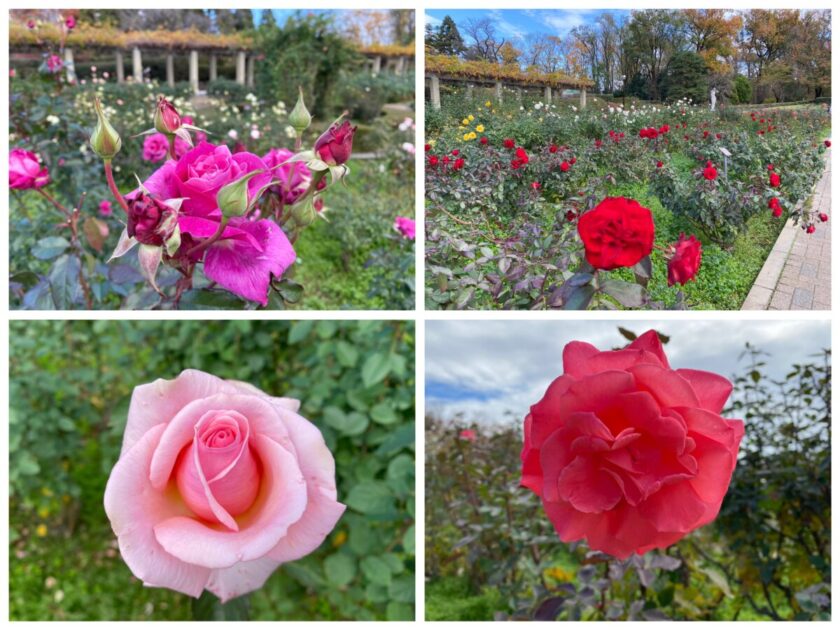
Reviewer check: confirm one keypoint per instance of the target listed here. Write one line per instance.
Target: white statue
(713, 98)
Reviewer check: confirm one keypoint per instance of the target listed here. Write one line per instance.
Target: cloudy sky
(491, 371)
(517, 24)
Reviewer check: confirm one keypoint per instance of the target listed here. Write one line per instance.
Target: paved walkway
(797, 273)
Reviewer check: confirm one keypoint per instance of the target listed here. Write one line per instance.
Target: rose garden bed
(509, 187)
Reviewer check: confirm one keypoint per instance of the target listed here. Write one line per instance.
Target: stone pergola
(434, 80)
(397, 64)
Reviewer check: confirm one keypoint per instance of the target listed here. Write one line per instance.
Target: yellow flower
(468, 136)
(465, 122)
(41, 530)
(559, 574)
(480, 128)
(488, 104)
(471, 117)
(43, 512)
(472, 135)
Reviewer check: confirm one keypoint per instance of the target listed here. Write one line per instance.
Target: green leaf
(209, 608)
(340, 569)
(370, 497)
(210, 300)
(718, 579)
(290, 291)
(408, 540)
(376, 570)
(383, 413)
(346, 354)
(627, 293)
(402, 589)
(64, 282)
(397, 611)
(50, 247)
(579, 298)
(26, 464)
(376, 368)
(299, 331)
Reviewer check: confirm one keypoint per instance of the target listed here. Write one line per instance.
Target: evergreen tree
(446, 40)
(686, 76)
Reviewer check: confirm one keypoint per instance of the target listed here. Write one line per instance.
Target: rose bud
(25, 170)
(336, 144)
(150, 221)
(105, 141)
(827, 144)
(685, 261)
(823, 217)
(811, 229)
(167, 118)
(300, 118)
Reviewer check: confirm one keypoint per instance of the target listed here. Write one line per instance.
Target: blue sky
(494, 370)
(517, 24)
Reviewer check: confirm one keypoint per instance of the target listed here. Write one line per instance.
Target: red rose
(775, 206)
(570, 216)
(685, 260)
(664, 129)
(705, 134)
(515, 164)
(459, 164)
(775, 180)
(509, 143)
(618, 232)
(598, 144)
(628, 453)
(811, 229)
(467, 435)
(428, 148)
(455, 152)
(484, 140)
(521, 155)
(552, 148)
(446, 160)
(433, 160)
(823, 217)
(572, 160)
(659, 165)
(827, 143)
(710, 173)
(770, 167)
(718, 136)
(535, 185)
(564, 166)
(336, 144)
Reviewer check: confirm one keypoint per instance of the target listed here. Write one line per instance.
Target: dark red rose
(572, 160)
(710, 173)
(150, 221)
(811, 229)
(775, 206)
(685, 260)
(336, 144)
(552, 148)
(570, 216)
(459, 164)
(659, 164)
(718, 136)
(509, 143)
(618, 232)
(484, 140)
(827, 143)
(775, 180)
(564, 166)
(823, 217)
(433, 160)
(598, 144)
(455, 152)
(770, 167)
(428, 148)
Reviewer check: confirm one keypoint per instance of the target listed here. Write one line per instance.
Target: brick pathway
(797, 274)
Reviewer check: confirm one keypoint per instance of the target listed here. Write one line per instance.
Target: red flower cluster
(615, 136)
(520, 160)
(775, 205)
(650, 133)
(618, 232)
(684, 262)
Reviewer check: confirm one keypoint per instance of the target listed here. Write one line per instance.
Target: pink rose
(292, 179)
(405, 226)
(626, 452)
(105, 208)
(54, 63)
(25, 170)
(467, 435)
(217, 485)
(200, 173)
(156, 147)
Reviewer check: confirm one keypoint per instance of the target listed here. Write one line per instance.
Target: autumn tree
(445, 39)
(712, 34)
(654, 35)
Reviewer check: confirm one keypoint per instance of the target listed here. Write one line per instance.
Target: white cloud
(431, 20)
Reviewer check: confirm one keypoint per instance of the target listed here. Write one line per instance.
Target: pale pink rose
(217, 485)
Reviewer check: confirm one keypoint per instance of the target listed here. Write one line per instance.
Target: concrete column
(548, 94)
(499, 97)
(377, 64)
(470, 91)
(120, 67)
(583, 98)
(69, 65)
(249, 81)
(170, 70)
(434, 91)
(137, 65)
(519, 94)
(400, 67)
(194, 71)
(240, 67)
(214, 69)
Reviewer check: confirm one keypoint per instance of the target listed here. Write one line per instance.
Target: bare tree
(486, 45)
(544, 52)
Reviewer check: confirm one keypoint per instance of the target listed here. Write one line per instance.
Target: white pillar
(400, 67)
(548, 94)
(137, 63)
(170, 70)
(434, 91)
(120, 67)
(194, 71)
(69, 65)
(377, 64)
(249, 81)
(470, 92)
(240, 67)
(214, 72)
(499, 91)
(583, 98)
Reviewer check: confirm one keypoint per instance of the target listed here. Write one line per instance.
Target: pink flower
(406, 227)
(467, 435)
(336, 144)
(25, 170)
(54, 63)
(292, 179)
(200, 173)
(156, 147)
(105, 208)
(628, 453)
(217, 485)
(70, 22)
(246, 257)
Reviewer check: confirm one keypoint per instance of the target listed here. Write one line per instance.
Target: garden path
(797, 274)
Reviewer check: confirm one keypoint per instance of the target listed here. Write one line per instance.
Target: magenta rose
(199, 174)
(156, 147)
(628, 453)
(25, 170)
(291, 180)
(335, 145)
(217, 485)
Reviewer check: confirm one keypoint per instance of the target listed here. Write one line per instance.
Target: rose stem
(112, 185)
(207, 243)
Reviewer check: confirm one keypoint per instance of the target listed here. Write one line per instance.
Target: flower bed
(509, 190)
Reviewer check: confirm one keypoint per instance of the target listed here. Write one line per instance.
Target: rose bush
(626, 452)
(255, 485)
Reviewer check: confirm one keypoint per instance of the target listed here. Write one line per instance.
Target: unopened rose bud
(105, 141)
(150, 221)
(167, 118)
(336, 144)
(300, 117)
(304, 213)
(233, 199)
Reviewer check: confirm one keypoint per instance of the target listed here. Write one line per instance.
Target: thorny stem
(53, 201)
(112, 185)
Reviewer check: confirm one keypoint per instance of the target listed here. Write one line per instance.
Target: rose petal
(675, 508)
(133, 507)
(241, 578)
(281, 503)
(666, 386)
(650, 342)
(305, 536)
(712, 390)
(588, 488)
